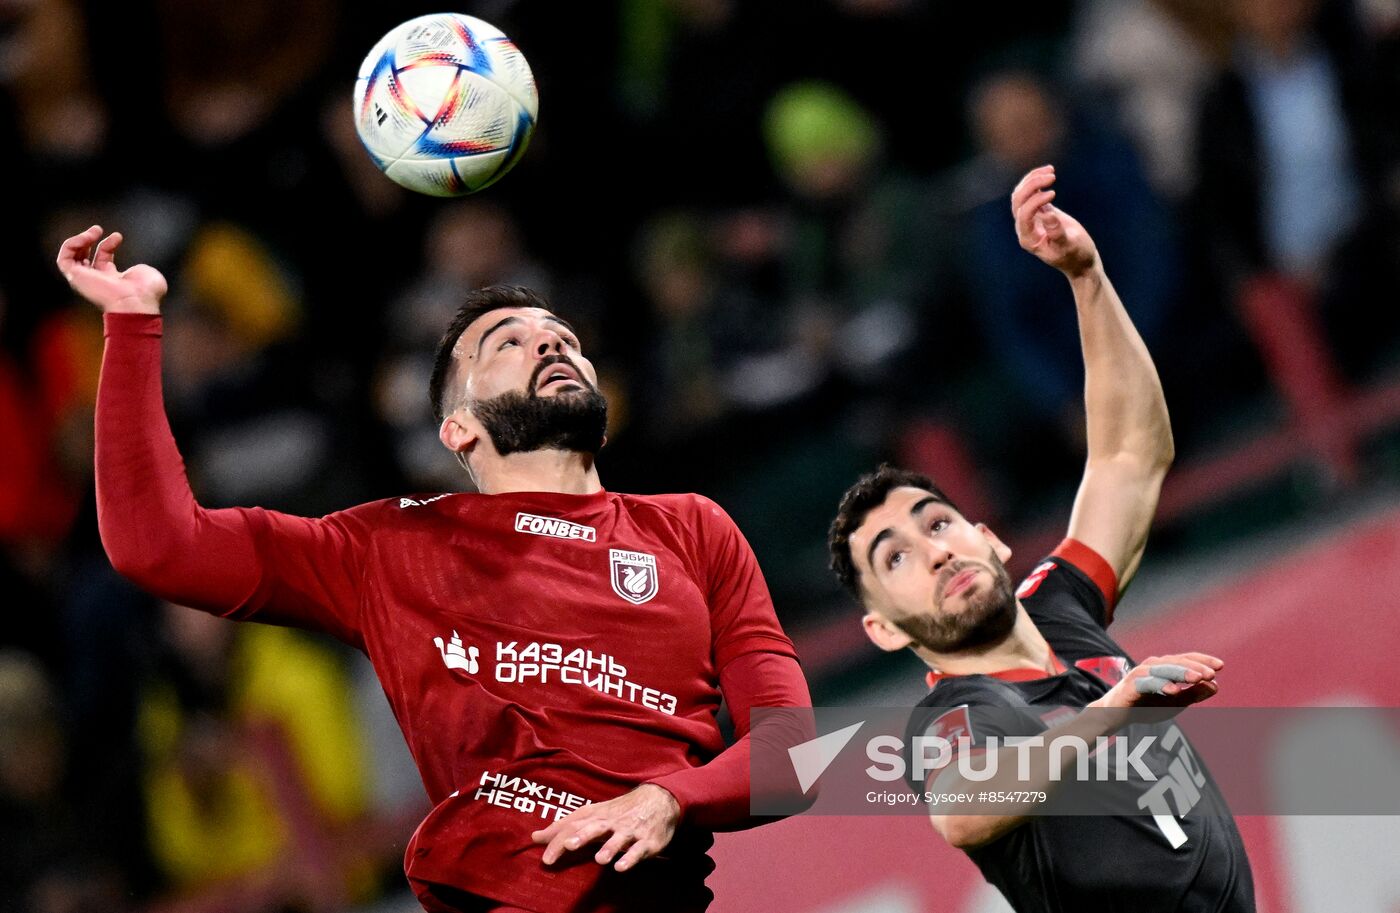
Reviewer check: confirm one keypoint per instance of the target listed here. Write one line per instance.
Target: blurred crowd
(783, 231)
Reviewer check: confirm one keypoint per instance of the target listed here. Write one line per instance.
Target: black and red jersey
(1187, 857)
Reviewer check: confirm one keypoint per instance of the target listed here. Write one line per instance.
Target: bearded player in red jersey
(555, 653)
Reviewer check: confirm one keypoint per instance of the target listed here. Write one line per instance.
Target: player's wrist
(1108, 714)
(1087, 270)
(668, 799)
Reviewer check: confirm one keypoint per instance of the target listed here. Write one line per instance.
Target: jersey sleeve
(716, 797)
(310, 571)
(742, 619)
(1071, 584)
(964, 713)
(234, 562)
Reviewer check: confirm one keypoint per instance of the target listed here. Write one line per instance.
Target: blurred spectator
(1152, 60)
(231, 353)
(852, 252)
(1280, 184)
(1020, 122)
(212, 814)
(48, 865)
(45, 57)
(1296, 143)
(254, 757)
(1027, 323)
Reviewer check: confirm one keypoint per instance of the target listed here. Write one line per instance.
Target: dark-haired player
(555, 653)
(1007, 660)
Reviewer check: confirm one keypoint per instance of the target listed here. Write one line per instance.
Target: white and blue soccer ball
(445, 104)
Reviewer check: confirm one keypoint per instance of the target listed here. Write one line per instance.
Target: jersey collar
(554, 500)
(1006, 675)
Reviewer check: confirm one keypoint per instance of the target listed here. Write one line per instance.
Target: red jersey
(539, 650)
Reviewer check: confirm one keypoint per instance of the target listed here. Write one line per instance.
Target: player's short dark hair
(481, 301)
(868, 493)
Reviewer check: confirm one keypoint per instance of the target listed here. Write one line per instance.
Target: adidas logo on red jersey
(410, 502)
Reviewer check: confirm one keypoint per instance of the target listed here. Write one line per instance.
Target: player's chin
(964, 600)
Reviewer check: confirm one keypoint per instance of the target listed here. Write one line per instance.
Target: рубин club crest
(633, 575)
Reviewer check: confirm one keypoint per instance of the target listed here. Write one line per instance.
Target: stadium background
(782, 228)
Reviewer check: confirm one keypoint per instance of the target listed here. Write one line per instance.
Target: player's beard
(986, 618)
(522, 421)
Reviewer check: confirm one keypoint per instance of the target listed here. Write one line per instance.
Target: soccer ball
(445, 104)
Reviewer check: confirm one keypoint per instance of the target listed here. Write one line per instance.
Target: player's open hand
(87, 262)
(1177, 680)
(641, 823)
(1053, 235)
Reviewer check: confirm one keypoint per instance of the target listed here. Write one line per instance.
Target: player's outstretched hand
(641, 823)
(86, 261)
(1052, 234)
(1176, 680)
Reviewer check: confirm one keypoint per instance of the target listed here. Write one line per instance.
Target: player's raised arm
(154, 532)
(1129, 432)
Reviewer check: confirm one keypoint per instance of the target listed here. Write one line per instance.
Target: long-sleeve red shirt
(539, 650)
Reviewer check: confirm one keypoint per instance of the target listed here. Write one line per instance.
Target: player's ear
(1001, 549)
(459, 432)
(883, 634)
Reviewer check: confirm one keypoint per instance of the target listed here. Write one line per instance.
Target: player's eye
(571, 342)
(508, 341)
(894, 559)
(938, 525)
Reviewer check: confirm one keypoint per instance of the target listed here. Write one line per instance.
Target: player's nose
(938, 556)
(547, 342)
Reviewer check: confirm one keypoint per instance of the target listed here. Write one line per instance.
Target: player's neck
(563, 471)
(1023, 648)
